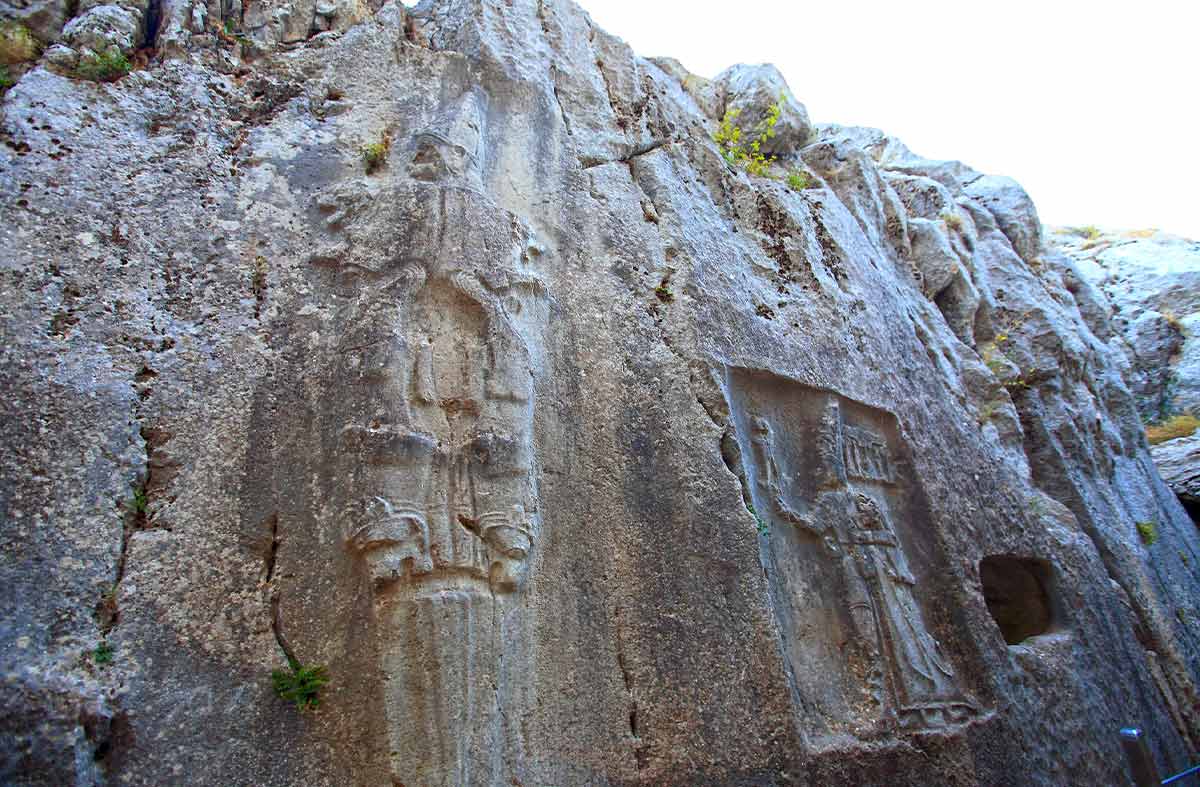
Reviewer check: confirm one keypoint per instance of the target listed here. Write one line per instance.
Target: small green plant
(1036, 506)
(17, 44)
(993, 357)
(663, 291)
(103, 654)
(137, 503)
(1147, 531)
(1176, 426)
(107, 66)
(1173, 321)
(952, 220)
(748, 156)
(300, 684)
(760, 525)
(1181, 616)
(6, 80)
(375, 154)
(998, 360)
(799, 180)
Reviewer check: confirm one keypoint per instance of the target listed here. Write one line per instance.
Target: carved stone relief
(433, 380)
(828, 475)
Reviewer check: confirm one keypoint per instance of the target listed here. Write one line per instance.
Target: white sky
(1092, 106)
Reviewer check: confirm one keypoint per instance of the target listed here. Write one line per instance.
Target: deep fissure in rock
(269, 560)
(153, 22)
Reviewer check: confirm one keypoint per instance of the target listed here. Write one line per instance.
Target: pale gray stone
(1151, 288)
(104, 27)
(575, 455)
(1152, 281)
(1179, 462)
(1013, 210)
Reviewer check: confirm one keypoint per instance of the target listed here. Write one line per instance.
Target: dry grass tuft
(1173, 428)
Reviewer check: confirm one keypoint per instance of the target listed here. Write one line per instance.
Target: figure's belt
(876, 537)
(493, 519)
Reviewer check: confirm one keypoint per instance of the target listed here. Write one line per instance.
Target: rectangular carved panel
(847, 544)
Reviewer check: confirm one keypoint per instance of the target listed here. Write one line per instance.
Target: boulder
(1013, 210)
(751, 91)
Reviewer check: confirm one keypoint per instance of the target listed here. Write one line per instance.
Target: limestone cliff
(1152, 282)
(444, 348)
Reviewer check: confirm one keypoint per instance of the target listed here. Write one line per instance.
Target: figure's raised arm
(788, 514)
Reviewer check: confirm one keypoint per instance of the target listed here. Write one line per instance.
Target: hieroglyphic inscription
(866, 455)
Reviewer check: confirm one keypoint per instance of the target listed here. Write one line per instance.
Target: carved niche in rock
(845, 516)
(433, 384)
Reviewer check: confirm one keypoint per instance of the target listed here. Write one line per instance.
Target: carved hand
(509, 541)
(785, 512)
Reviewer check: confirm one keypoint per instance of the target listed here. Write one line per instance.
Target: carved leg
(439, 661)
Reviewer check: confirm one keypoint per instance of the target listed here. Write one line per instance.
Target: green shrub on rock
(108, 66)
(301, 684)
(17, 44)
(375, 154)
(799, 180)
(748, 156)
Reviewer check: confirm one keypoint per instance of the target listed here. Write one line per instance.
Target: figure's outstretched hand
(787, 513)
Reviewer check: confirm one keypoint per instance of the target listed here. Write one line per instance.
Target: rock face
(1179, 462)
(443, 349)
(1151, 281)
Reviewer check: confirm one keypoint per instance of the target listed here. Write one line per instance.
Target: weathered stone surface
(1152, 281)
(1179, 462)
(43, 18)
(575, 455)
(103, 27)
(1151, 295)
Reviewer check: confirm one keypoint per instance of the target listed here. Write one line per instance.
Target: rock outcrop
(1151, 281)
(444, 349)
(1179, 462)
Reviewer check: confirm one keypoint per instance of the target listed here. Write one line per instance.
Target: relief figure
(436, 452)
(908, 677)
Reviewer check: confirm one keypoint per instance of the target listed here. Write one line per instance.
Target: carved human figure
(437, 453)
(910, 677)
(450, 151)
(924, 680)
